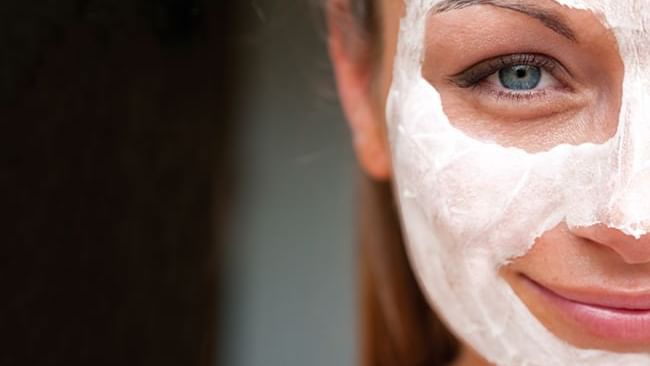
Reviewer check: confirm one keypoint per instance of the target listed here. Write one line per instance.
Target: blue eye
(520, 77)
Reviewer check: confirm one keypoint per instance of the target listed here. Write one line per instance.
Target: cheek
(480, 195)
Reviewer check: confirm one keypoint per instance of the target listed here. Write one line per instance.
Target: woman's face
(537, 170)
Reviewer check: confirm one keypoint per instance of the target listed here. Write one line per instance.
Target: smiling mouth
(622, 317)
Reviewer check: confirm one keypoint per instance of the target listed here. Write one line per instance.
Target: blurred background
(290, 280)
(180, 186)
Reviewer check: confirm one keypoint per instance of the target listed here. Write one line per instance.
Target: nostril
(632, 250)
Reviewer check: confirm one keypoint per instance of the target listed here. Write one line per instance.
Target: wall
(290, 264)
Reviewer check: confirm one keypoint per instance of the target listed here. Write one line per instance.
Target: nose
(630, 249)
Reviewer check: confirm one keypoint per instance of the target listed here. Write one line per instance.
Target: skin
(579, 103)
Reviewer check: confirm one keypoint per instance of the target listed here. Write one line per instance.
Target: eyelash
(475, 75)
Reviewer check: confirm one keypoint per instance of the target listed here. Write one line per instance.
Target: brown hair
(398, 327)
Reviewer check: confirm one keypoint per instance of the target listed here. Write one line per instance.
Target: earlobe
(350, 55)
(373, 155)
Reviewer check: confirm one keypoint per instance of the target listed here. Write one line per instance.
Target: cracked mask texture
(468, 206)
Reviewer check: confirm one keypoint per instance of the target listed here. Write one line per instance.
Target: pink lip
(610, 315)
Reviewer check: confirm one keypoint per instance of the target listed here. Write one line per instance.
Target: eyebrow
(549, 19)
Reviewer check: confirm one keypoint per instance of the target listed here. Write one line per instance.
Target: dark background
(178, 186)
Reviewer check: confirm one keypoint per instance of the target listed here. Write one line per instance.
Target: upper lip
(638, 300)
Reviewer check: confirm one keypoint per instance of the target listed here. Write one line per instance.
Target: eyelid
(477, 72)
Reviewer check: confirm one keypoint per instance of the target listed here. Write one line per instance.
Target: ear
(351, 56)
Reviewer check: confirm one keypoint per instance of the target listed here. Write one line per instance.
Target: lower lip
(623, 325)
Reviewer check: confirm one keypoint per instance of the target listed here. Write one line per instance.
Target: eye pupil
(520, 77)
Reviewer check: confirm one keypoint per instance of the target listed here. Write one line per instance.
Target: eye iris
(520, 77)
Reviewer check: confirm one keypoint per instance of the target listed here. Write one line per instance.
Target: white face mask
(470, 206)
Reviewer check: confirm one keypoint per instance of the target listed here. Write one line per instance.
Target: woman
(513, 136)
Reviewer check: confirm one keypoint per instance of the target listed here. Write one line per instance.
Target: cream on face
(470, 206)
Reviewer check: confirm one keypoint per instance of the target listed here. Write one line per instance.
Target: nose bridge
(629, 208)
